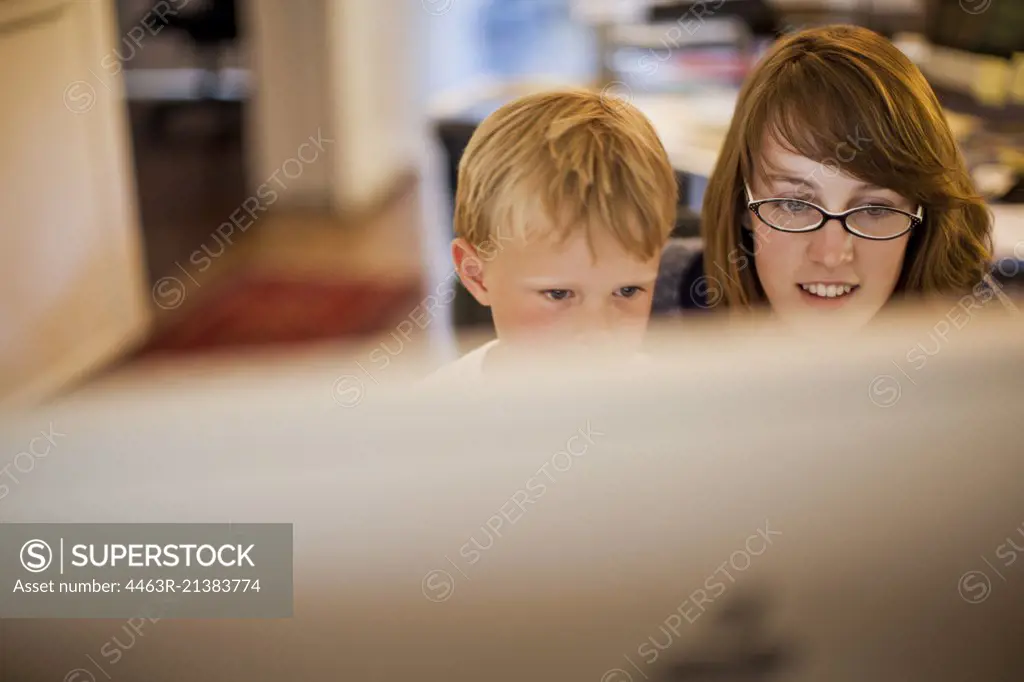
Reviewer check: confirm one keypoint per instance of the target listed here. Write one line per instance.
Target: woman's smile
(827, 295)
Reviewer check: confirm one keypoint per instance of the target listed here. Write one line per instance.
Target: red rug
(260, 311)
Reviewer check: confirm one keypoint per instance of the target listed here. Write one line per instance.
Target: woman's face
(828, 275)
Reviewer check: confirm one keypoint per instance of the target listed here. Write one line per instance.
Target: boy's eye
(556, 294)
(629, 292)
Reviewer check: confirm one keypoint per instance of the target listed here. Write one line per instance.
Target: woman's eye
(628, 292)
(557, 294)
(877, 211)
(793, 206)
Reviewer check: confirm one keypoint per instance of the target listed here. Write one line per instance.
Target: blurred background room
(193, 185)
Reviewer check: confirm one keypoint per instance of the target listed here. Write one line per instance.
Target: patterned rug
(260, 311)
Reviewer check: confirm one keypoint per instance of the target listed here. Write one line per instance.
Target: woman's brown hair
(849, 99)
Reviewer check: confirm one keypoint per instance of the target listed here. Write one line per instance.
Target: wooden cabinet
(73, 289)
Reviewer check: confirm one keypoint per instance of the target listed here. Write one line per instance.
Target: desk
(692, 127)
(693, 130)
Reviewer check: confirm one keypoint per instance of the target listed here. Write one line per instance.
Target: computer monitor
(755, 508)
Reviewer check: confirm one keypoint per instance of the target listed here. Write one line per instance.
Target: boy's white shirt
(470, 367)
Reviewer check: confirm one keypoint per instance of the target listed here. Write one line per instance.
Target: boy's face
(540, 289)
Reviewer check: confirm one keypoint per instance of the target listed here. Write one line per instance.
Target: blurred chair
(680, 263)
(1009, 274)
(211, 29)
(454, 136)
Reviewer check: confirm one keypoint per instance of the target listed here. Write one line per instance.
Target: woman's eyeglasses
(868, 222)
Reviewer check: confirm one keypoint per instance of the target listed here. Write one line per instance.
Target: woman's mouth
(828, 293)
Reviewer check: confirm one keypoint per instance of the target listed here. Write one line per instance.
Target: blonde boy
(565, 200)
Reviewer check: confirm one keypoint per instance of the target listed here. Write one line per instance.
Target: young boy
(565, 200)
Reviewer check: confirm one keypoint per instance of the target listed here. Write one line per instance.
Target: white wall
(73, 289)
(374, 50)
(346, 68)
(290, 96)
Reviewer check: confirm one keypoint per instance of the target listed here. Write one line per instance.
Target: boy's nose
(596, 328)
(594, 339)
(597, 321)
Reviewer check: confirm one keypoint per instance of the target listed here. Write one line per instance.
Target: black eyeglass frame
(916, 220)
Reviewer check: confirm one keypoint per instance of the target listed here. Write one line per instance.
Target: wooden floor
(190, 173)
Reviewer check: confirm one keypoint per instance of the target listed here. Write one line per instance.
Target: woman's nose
(831, 245)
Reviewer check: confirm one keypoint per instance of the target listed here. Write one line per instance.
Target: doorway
(187, 84)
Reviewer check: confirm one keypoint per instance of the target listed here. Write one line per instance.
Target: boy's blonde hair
(550, 164)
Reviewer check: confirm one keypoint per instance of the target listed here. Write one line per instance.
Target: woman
(839, 187)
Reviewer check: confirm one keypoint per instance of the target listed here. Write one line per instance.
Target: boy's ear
(470, 267)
